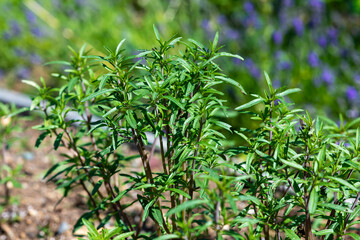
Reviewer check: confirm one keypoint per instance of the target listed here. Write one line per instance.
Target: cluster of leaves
(291, 175)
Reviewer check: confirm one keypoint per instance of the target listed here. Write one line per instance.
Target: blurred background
(310, 44)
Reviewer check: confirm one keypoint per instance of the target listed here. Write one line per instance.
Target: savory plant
(292, 175)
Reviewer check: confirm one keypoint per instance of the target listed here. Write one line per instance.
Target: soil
(35, 210)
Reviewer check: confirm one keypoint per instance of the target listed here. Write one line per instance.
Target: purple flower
(288, 3)
(298, 26)
(205, 24)
(252, 68)
(36, 31)
(352, 93)
(357, 78)
(352, 113)
(332, 34)
(15, 28)
(35, 59)
(221, 19)
(313, 59)
(232, 34)
(316, 5)
(327, 76)
(322, 41)
(249, 8)
(237, 61)
(6, 36)
(22, 72)
(285, 65)
(277, 37)
(19, 52)
(30, 16)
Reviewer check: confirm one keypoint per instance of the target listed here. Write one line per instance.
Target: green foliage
(291, 173)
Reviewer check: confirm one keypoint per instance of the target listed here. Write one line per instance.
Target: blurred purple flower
(205, 24)
(316, 5)
(6, 36)
(222, 19)
(252, 68)
(285, 65)
(30, 16)
(36, 31)
(232, 34)
(357, 78)
(322, 41)
(352, 113)
(288, 3)
(277, 37)
(332, 34)
(19, 52)
(35, 59)
(327, 76)
(23, 72)
(15, 28)
(298, 26)
(352, 94)
(313, 59)
(249, 8)
(276, 83)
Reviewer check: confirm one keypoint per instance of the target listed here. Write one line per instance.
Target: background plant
(9, 172)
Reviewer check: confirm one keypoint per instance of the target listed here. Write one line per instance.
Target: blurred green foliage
(310, 44)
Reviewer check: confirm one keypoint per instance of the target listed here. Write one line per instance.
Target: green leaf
(215, 41)
(353, 235)
(268, 81)
(186, 205)
(334, 206)
(291, 234)
(293, 164)
(119, 46)
(343, 182)
(97, 186)
(181, 192)
(232, 82)
(313, 201)
(249, 159)
(287, 92)
(58, 140)
(355, 213)
(324, 232)
(90, 227)
(171, 98)
(156, 31)
(249, 104)
(31, 83)
(168, 236)
(91, 96)
(58, 62)
(124, 235)
(225, 54)
(41, 138)
(130, 119)
(199, 45)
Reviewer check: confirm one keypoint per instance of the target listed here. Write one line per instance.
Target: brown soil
(37, 214)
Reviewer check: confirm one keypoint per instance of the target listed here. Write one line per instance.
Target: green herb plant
(293, 175)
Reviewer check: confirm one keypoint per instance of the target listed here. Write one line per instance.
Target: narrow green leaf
(181, 192)
(124, 235)
(186, 205)
(41, 138)
(313, 201)
(335, 207)
(268, 81)
(130, 119)
(199, 45)
(249, 104)
(31, 83)
(232, 82)
(293, 164)
(119, 46)
(215, 41)
(353, 235)
(225, 54)
(287, 92)
(97, 186)
(249, 159)
(156, 31)
(58, 62)
(291, 234)
(324, 232)
(58, 140)
(90, 227)
(91, 96)
(355, 213)
(343, 182)
(171, 98)
(168, 236)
